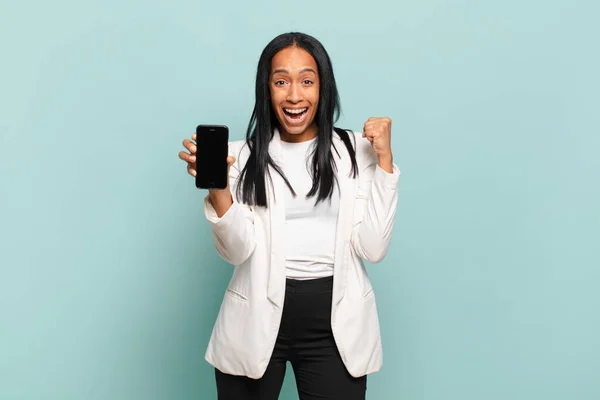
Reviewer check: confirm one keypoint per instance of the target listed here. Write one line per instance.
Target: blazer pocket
(236, 295)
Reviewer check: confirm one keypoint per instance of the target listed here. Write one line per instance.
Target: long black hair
(263, 122)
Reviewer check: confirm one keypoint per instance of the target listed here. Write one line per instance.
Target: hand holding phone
(208, 162)
(212, 145)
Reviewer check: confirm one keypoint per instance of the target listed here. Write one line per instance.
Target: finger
(187, 143)
(372, 123)
(370, 131)
(191, 170)
(370, 127)
(194, 137)
(187, 157)
(375, 132)
(381, 119)
(230, 160)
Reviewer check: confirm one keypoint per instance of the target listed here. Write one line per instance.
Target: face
(294, 88)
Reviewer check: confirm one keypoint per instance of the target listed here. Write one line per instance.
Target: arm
(374, 212)
(232, 223)
(377, 195)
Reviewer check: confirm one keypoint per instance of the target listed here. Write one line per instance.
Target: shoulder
(238, 148)
(365, 155)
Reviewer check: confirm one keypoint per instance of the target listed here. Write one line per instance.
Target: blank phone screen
(211, 156)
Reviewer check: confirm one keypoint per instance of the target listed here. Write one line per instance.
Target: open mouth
(295, 115)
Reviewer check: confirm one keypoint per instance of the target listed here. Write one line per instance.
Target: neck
(309, 134)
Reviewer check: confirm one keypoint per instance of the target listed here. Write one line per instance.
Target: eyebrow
(285, 71)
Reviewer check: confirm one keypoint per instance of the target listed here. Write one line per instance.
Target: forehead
(293, 59)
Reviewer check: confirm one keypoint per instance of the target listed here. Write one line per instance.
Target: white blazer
(252, 239)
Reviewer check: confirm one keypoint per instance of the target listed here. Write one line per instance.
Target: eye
(279, 82)
(307, 82)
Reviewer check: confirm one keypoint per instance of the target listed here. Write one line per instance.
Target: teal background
(109, 281)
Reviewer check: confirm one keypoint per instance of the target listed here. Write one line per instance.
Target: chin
(295, 130)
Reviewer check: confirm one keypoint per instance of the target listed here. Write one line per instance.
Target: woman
(306, 204)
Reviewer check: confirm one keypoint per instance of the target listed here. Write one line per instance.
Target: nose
(294, 94)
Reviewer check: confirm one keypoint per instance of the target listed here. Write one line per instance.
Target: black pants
(305, 340)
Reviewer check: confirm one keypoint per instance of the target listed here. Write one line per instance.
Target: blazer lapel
(276, 212)
(344, 220)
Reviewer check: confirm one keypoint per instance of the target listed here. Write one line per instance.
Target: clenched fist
(378, 131)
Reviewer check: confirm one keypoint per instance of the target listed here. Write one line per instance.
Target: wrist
(386, 162)
(221, 200)
(218, 195)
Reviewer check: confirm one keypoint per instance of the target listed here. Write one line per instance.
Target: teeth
(295, 111)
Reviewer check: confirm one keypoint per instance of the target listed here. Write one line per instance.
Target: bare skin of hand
(221, 199)
(378, 131)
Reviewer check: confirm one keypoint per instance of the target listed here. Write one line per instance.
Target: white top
(254, 242)
(309, 231)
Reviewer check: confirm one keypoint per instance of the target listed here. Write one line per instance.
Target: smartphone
(212, 147)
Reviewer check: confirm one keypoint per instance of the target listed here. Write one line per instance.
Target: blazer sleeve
(375, 205)
(233, 233)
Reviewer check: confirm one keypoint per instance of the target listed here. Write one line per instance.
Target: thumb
(230, 160)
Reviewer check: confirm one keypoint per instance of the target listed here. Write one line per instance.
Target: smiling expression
(294, 89)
